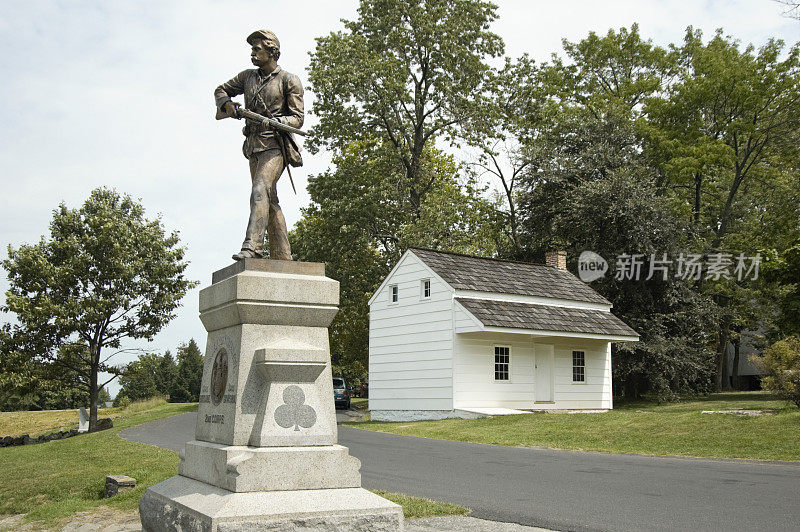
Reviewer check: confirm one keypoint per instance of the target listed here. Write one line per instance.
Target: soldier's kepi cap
(264, 35)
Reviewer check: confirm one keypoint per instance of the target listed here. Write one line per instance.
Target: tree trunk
(723, 336)
(512, 218)
(725, 216)
(737, 343)
(415, 199)
(698, 184)
(726, 368)
(722, 343)
(93, 390)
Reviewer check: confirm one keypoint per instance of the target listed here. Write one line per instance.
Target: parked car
(341, 396)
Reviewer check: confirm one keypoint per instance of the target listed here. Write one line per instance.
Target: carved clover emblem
(294, 412)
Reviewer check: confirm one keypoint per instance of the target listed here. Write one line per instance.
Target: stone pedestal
(264, 455)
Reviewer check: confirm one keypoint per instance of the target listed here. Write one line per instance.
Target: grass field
(53, 481)
(35, 423)
(640, 427)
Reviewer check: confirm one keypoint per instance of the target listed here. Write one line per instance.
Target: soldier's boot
(247, 254)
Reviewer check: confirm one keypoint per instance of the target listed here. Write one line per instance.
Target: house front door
(543, 381)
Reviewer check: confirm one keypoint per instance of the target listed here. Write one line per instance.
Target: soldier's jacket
(279, 92)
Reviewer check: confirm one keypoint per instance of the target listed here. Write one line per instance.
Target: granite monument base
(265, 454)
(183, 504)
(241, 468)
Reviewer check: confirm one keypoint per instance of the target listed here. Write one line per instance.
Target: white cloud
(120, 94)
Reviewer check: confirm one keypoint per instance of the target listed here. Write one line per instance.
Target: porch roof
(513, 315)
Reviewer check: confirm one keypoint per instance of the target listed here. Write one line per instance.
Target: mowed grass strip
(417, 507)
(51, 482)
(646, 428)
(39, 422)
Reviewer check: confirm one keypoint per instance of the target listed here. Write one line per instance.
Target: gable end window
(425, 289)
(578, 366)
(394, 293)
(502, 358)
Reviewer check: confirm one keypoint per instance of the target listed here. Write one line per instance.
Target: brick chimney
(556, 259)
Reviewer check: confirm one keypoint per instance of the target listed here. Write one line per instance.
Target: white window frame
(572, 354)
(394, 291)
(494, 364)
(422, 289)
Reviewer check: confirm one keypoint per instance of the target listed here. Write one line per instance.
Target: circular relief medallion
(219, 376)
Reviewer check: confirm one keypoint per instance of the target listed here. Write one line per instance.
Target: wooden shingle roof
(465, 272)
(493, 313)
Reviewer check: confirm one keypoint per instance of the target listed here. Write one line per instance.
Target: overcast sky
(119, 94)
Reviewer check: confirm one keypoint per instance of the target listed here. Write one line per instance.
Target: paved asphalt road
(561, 490)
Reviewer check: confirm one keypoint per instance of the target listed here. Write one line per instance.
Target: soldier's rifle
(270, 122)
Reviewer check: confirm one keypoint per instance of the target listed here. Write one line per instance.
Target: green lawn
(35, 423)
(414, 507)
(640, 427)
(52, 481)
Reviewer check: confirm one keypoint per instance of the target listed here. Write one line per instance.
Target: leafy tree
(599, 84)
(728, 118)
(784, 270)
(615, 73)
(150, 375)
(781, 364)
(360, 222)
(588, 187)
(31, 387)
(622, 214)
(518, 107)
(575, 150)
(393, 83)
(713, 126)
(167, 374)
(186, 388)
(154, 375)
(104, 275)
(103, 396)
(722, 137)
(407, 72)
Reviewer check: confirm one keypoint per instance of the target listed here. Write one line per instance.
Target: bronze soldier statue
(276, 95)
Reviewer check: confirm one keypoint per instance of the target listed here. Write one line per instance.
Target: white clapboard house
(453, 335)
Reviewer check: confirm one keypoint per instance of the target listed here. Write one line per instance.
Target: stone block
(258, 363)
(180, 504)
(267, 265)
(241, 469)
(269, 298)
(116, 484)
(83, 420)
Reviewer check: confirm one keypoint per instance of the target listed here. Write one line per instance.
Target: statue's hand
(230, 108)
